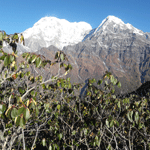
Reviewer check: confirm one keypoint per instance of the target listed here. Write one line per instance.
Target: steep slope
(57, 32)
(112, 24)
(114, 46)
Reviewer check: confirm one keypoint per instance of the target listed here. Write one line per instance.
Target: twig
(23, 139)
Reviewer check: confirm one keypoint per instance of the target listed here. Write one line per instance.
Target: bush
(35, 111)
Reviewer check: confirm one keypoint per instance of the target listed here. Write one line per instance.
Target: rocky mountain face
(57, 32)
(114, 46)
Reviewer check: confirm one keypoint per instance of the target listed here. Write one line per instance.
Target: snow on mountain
(112, 24)
(53, 31)
(116, 47)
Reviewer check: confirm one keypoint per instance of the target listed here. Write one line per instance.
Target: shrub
(35, 111)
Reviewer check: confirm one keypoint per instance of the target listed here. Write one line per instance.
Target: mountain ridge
(49, 31)
(54, 31)
(114, 46)
(111, 23)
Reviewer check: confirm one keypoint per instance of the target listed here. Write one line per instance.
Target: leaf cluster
(37, 111)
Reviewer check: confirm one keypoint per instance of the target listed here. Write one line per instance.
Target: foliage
(50, 112)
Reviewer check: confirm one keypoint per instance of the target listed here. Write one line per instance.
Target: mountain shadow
(142, 91)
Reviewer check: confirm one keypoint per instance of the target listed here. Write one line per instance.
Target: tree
(21, 93)
(49, 111)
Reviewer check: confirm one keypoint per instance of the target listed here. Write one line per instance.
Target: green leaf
(96, 138)
(136, 117)
(62, 57)
(97, 141)
(61, 90)
(57, 54)
(68, 79)
(93, 80)
(94, 144)
(33, 58)
(15, 67)
(116, 122)
(50, 147)
(65, 65)
(38, 62)
(27, 65)
(37, 111)
(58, 107)
(129, 115)
(112, 79)
(109, 147)
(24, 55)
(58, 84)
(115, 81)
(56, 146)
(21, 75)
(119, 84)
(107, 123)
(140, 125)
(26, 114)
(112, 91)
(73, 132)
(14, 113)
(2, 108)
(17, 121)
(106, 82)
(28, 57)
(8, 112)
(119, 106)
(6, 60)
(70, 67)
(43, 86)
(32, 93)
(21, 110)
(62, 83)
(111, 123)
(20, 89)
(114, 96)
(69, 86)
(28, 73)
(2, 57)
(100, 82)
(44, 142)
(32, 105)
(22, 122)
(60, 136)
(85, 131)
(11, 58)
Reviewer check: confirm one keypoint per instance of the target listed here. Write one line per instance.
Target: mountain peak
(115, 19)
(48, 21)
(54, 31)
(112, 24)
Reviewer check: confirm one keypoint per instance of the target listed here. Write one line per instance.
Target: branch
(35, 139)
(23, 139)
(40, 127)
(43, 83)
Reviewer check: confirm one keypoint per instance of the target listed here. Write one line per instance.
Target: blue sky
(19, 15)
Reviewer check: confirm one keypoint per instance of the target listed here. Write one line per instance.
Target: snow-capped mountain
(113, 46)
(116, 47)
(57, 32)
(112, 24)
